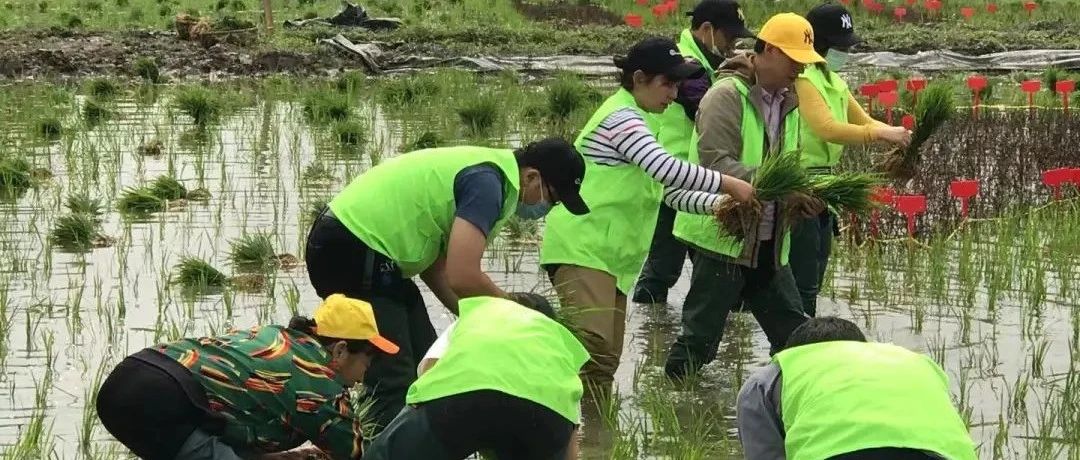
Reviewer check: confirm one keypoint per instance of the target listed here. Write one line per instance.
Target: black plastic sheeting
(379, 60)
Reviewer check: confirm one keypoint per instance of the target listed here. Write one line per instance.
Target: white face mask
(836, 59)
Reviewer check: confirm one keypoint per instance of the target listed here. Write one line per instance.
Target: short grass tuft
(253, 252)
(566, 94)
(147, 69)
(350, 81)
(410, 90)
(95, 111)
(77, 232)
(103, 88)
(427, 140)
(49, 127)
(140, 200)
(15, 173)
(349, 132)
(168, 188)
(83, 203)
(321, 106)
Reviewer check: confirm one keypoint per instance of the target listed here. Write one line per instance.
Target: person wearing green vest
(832, 395)
(749, 114)
(831, 118)
(714, 27)
(431, 213)
(502, 379)
(593, 260)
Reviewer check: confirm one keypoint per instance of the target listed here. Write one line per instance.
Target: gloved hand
(533, 301)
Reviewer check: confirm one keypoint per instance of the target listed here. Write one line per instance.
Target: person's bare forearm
(435, 279)
(474, 285)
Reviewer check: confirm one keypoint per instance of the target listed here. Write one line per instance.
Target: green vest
(404, 207)
(703, 231)
(816, 152)
(674, 128)
(623, 201)
(502, 346)
(838, 397)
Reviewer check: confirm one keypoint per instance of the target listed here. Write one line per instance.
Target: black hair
(307, 326)
(759, 46)
(534, 302)
(824, 329)
(696, 22)
(626, 76)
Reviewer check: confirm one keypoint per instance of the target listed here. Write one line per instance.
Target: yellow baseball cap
(341, 317)
(793, 35)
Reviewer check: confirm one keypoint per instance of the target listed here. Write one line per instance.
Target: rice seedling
(77, 232)
(147, 69)
(168, 188)
(95, 112)
(350, 82)
(318, 172)
(565, 95)
(349, 132)
(15, 173)
(83, 203)
(252, 252)
(479, 114)
(935, 107)
(781, 178)
(1051, 76)
(405, 91)
(140, 201)
(196, 274)
(520, 231)
(102, 88)
(315, 207)
(846, 192)
(427, 140)
(321, 106)
(49, 127)
(199, 103)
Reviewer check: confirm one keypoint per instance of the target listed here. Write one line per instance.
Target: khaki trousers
(596, 311)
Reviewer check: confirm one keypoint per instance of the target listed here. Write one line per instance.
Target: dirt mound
(53, 54)
(565, 12)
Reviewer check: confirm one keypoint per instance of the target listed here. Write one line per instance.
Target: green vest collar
(687, 45)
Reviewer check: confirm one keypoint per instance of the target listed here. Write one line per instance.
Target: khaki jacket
(719, 128)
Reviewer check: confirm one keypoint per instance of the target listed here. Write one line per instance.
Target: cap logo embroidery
(845, 21)
(808, 37)
(739, 12)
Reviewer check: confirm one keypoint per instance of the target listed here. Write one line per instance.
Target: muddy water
(81, 313)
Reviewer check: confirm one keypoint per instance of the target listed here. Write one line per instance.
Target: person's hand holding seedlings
(739, 189)
(898, 135)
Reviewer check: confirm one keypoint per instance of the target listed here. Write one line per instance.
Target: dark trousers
(811, 244)
(716, 287)
(339, 263)
(665, 262)
(457, 426)
(152, 404)
(886, 453)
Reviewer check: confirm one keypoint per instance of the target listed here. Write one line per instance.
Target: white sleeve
(438, 349)
(631, 137)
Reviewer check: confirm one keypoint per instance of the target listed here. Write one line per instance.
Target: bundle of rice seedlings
(322, 106)
(49, 127)
(849, 192)
(479, 114)
(315, 207)
(253, 252)
(350, 81)
(77, 232)
(566, 94)
(427, 140)
(935, 107)
(153, 147)
(195, 273)
(167, 188)
(140, 200)
(103, 88)
(83, 203)
(15, 173)
(199, 103)
(95, 111)
(404, 91)
(781, 178)
(147, 69)
(349, 132)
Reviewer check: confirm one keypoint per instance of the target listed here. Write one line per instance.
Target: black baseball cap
(659, 56)
(722, 14)
(561, 168)
(832, 25)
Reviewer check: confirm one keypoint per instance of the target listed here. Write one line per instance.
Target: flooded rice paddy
(994, 299)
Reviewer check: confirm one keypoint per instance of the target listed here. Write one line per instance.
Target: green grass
(102, 88)
(426, 140)
(566, 94)
(252, 252)
(95, 111)
(324, 106)
(408, 90)
(83, 203)
(15, 173)
(49, 127)
(147, 69)
(349, 132)
(195, 273)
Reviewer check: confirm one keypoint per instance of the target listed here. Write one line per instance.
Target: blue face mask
(534, 211)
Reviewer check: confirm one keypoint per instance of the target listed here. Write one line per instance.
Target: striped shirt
(624, 138)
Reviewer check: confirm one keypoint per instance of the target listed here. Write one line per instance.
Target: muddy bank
(564, 12)
(48, 54)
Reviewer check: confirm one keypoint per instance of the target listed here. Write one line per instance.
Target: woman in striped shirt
(594, 259)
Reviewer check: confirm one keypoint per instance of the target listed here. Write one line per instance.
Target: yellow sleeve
(857, 116)
(815, 113)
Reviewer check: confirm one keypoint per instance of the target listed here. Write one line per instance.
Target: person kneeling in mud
(252, 393)
(502, 380)
(830, 394)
